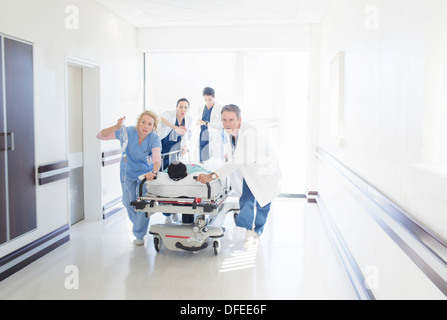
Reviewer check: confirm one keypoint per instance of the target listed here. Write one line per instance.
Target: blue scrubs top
(169, 144)
(204, 133)
(139, 157)
(169, 141)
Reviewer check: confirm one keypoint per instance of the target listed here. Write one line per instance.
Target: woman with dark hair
(174, 134)
(174, 131)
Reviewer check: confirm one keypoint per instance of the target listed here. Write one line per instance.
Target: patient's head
(177, 171)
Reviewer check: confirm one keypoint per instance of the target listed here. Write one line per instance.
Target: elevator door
(76, 155)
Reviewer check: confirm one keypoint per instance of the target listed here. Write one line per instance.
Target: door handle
(11, 135)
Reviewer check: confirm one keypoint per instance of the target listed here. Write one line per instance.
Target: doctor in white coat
(256, 165)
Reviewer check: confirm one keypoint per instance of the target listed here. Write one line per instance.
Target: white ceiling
(158, 13)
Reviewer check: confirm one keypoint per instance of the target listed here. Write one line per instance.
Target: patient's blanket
(187, 187)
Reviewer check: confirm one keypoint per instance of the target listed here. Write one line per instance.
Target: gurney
(200, 205)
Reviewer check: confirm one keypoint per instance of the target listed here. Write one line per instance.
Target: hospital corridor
(110, 267)
(223, 154)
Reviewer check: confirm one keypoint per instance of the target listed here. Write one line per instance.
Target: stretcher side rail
(180, 205)
(183, 205)
(177, 153)
(195, 229)
(145, 180)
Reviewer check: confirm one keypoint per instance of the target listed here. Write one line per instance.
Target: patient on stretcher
(178, 181)
(178, 170)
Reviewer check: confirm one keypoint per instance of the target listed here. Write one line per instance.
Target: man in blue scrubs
(210, 126)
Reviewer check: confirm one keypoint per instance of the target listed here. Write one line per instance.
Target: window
(270, 87)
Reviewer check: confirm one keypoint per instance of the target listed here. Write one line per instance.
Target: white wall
(101, 38)
(394, 125)
(174, 75)
(261, 37)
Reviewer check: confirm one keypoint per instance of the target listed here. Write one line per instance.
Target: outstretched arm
(109, 133)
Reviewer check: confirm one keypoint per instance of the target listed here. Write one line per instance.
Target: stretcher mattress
(187, 187)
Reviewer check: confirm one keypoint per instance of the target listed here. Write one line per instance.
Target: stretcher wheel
(157, 243)
(216, 247)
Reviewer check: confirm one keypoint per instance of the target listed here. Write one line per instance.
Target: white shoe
(139, 242)
(251, 238)
(168, 219)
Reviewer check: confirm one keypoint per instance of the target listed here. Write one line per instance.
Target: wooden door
(20, 129)
(3, 221)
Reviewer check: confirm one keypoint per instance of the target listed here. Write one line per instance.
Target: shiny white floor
(294, 260)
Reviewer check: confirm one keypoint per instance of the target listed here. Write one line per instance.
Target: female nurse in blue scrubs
(174, 131)
(174, 135)
(142, 157)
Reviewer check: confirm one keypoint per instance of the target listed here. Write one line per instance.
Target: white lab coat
(171, 116)
(215, 128)
(216, 117)
(257, 164)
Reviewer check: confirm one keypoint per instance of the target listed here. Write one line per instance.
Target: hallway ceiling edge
(175, 13)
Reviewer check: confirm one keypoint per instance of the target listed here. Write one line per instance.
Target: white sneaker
(139, 242)
(251, 238)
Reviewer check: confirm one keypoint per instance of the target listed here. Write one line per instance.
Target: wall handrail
(111, 157)
(424, 247)
(53, 172)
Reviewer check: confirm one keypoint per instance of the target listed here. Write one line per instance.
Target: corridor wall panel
(394, 127)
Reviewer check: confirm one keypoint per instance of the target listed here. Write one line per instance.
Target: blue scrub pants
(247, 211)
(130, 191)
(204, 150)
